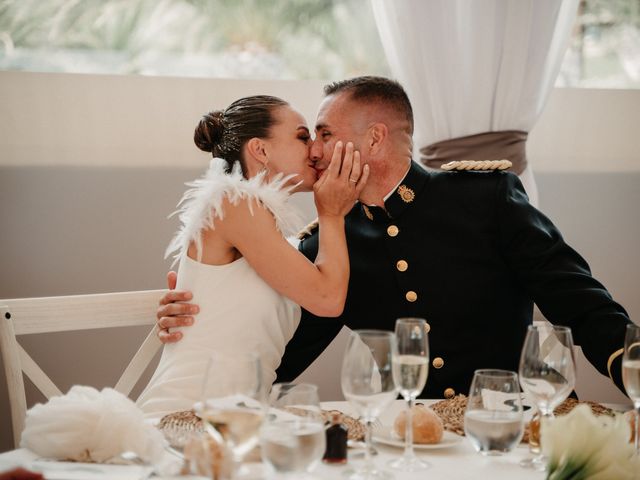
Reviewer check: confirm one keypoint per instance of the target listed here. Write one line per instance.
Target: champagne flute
(233, 404)
(631, 374)
(292, 439)
(493, 420)
(367, 383)
(410, 369)
(547, 373)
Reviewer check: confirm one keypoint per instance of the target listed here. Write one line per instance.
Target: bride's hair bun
(224, 133)
(210, 131)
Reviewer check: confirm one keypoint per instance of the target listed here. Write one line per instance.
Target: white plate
(387, 436)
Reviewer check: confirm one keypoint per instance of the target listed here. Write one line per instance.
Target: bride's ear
(256, 150)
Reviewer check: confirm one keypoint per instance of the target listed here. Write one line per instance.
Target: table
(459, 462)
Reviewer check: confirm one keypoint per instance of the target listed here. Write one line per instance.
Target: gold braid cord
(482, 165)
(612, 358)
(308, 230)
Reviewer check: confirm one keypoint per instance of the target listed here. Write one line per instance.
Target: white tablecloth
(459, 462)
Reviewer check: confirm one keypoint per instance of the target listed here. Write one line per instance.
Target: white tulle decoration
(87, 425)
(202, 203)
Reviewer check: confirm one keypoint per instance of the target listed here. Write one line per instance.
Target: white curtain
(472, 66)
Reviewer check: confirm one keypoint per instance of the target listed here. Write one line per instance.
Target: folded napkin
(86, 425)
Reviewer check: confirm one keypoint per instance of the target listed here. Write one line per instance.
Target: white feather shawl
(202, 203)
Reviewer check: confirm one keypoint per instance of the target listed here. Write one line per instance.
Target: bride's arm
(319, 287)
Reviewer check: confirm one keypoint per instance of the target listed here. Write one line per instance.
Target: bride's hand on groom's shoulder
(340, 185)
(174, 311)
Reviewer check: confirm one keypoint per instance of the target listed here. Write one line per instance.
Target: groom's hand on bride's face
(172, 314)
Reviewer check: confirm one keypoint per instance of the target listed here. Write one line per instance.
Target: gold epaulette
(308, 230)
(483, 165)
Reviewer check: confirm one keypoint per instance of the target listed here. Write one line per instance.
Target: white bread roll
(427, 426)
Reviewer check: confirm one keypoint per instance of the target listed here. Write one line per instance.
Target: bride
(232, 251)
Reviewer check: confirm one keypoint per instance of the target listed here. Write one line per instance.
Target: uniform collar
(401, 197)
(391, 192)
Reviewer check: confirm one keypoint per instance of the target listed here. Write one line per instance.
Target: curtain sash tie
(505, 144)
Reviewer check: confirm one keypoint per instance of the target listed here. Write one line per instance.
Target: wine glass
(367, 383)
(493, 420)
(410, 369)
(547, 373)
(631, 374)
(233, 403)
(292, 439)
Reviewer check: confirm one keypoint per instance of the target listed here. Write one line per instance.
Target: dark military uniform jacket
(468, 253)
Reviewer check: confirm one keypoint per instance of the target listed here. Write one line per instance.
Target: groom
(464, 250)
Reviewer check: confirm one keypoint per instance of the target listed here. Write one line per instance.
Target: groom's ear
(256, 150)
(377, 134)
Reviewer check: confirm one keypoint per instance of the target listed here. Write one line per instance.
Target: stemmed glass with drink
(233, 406)
(547, 373)
(367, 383)
(292, 439)
(410, 369)
(631, 374)
(493, 420)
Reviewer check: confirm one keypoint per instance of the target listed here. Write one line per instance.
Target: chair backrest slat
(138, 363)
(13, 372)
(24, 316)
(40, 379)
(83, 312)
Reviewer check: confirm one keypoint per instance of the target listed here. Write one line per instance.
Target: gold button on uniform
(437, 362)
(402, 265)
(449, 393)
(411, 296)
(427, 328)
(392, 230)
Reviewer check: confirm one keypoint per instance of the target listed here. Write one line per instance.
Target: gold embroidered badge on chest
(406, 194)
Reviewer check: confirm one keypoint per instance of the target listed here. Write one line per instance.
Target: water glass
(410, 369)
(233, 404)
(292, 438)
(493, 420)
(631, 374)
(547, 373)
(367, 383)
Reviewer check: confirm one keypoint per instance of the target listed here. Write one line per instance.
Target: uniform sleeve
(312, 336)
(559, 280)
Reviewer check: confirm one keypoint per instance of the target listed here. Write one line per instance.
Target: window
(604, 50)
(267, 39)
(292, 39)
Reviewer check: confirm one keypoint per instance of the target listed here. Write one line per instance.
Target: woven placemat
(355, 428)
(178, 426)
(451, 412)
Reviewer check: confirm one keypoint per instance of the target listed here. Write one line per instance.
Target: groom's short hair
(375, 89)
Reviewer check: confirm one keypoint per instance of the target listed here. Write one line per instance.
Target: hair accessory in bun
(209, 134)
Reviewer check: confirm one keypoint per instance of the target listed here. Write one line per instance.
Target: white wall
(113, 121)
(91, 165)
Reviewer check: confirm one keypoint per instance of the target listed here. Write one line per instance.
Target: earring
(265, 168)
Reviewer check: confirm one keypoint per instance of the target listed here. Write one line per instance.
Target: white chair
(26, 316)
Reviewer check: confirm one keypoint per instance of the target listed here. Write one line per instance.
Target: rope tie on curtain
(505, 144)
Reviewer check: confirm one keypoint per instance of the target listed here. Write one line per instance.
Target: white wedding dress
(239, 312)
